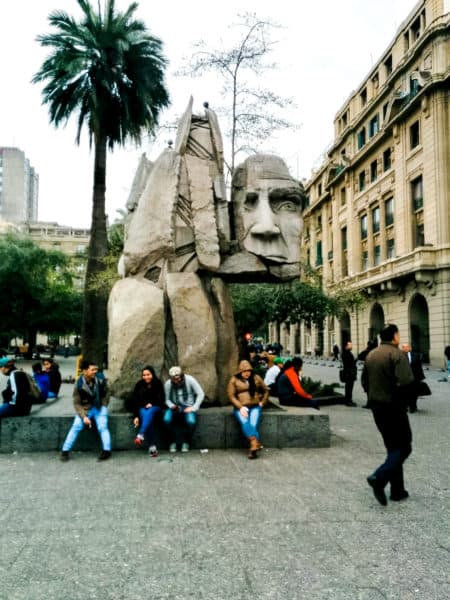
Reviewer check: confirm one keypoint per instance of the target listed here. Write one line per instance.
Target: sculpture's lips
(276, 257)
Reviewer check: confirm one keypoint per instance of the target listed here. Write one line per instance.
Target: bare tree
(253, 113)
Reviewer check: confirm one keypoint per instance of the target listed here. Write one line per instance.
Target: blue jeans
(249, 424)
(146, 416)
(100, 416)
(7, 410)
(180, 424)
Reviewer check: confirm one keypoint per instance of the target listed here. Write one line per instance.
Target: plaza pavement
(295, 524)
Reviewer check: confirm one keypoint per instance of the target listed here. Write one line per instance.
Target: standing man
(184, 396)
(388, 377)
(335, 352)
(90, 399)
(415, 362)
(350, 371)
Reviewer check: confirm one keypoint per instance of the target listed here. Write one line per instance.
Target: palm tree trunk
(95, 324)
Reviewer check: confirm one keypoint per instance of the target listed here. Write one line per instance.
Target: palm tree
(107, 69)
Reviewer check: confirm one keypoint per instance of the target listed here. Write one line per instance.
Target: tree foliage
(36, 290)
(255, 305)
(108, 71)
(252, 112)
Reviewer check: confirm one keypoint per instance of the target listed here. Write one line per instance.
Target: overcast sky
(324, 51)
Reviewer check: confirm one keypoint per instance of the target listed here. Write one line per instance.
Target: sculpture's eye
(285, 202)
(251, 198)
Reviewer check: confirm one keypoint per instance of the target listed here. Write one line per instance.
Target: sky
(323, 52)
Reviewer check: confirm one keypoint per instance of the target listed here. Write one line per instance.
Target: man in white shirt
(271, 375)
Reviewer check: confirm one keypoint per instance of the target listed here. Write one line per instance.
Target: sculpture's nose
(264, 225)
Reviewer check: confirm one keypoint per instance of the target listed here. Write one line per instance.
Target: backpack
(34, 393)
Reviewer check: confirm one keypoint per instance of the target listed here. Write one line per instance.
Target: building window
(419, 235)
(406, 40)
(319, 222)
(415, 29)
(373, 171)
(319, 260)
(376, 255)
(387, 160)
(344, 238)
(305, 202)
(361, 138)
(363, 97)
(388, 65)
(365, 260)
(414, 135)
(417, 193)
(362, 180)
(364, 227)
(343, 196)
(385, 109)
(374, 126)
(389, 211)
(376, 219)
(390, 248)
(375, 81)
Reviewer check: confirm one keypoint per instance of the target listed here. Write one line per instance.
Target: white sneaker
(173, 448)
(184, 447)
(153, 451)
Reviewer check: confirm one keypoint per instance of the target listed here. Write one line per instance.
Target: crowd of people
(390, 377)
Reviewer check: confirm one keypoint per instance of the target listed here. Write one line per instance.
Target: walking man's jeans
(393, 424)
(146, 417)
(250, 423)
(100, 416)
(180, 424)
(7, 410)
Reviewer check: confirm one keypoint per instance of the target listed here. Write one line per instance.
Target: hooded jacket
(238, 388)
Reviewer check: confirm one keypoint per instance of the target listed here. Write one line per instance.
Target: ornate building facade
(378, 211)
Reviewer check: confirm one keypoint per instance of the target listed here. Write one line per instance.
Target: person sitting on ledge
(17, 401)
(146, 403)
(248, 393)
(290, 390)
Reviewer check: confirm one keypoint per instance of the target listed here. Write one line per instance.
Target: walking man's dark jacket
(386, 375)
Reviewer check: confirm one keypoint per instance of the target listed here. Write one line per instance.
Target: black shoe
(351, 404)
(65, 456)
(378, 489)
(105, 454)
(413, 409)
(399, 496)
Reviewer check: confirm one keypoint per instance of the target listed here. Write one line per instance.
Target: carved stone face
(267, 209)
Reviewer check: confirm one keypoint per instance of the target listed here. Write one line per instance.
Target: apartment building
(378, 209)
(19, 187)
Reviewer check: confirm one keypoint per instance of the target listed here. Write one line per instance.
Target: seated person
(248, 393)
(147, 402)
(42, 380)
(290, 390)
(54, 376)
(184, 396)
(272, 374)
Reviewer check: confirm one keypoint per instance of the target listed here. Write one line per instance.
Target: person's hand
(188, 409)
(87, 422)
(148, 405)
(244, 411)
(136, 421)
(174, 407)
(261, 404)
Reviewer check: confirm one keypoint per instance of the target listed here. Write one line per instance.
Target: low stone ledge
(217, 428)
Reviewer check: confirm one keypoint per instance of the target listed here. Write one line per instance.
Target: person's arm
(13, 384)
(263, 390)
(231, 394)
(199, 394)
(295, 382)
(79, 407)
(167, 390)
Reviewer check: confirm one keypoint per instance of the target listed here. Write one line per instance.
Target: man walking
(350, 371)
(91, 399)
(387, 377)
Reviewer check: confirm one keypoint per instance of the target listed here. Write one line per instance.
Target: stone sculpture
(184, 242)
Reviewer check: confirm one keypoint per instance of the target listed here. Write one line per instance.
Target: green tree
(36, 292)
(251, 110)
(108, 70)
